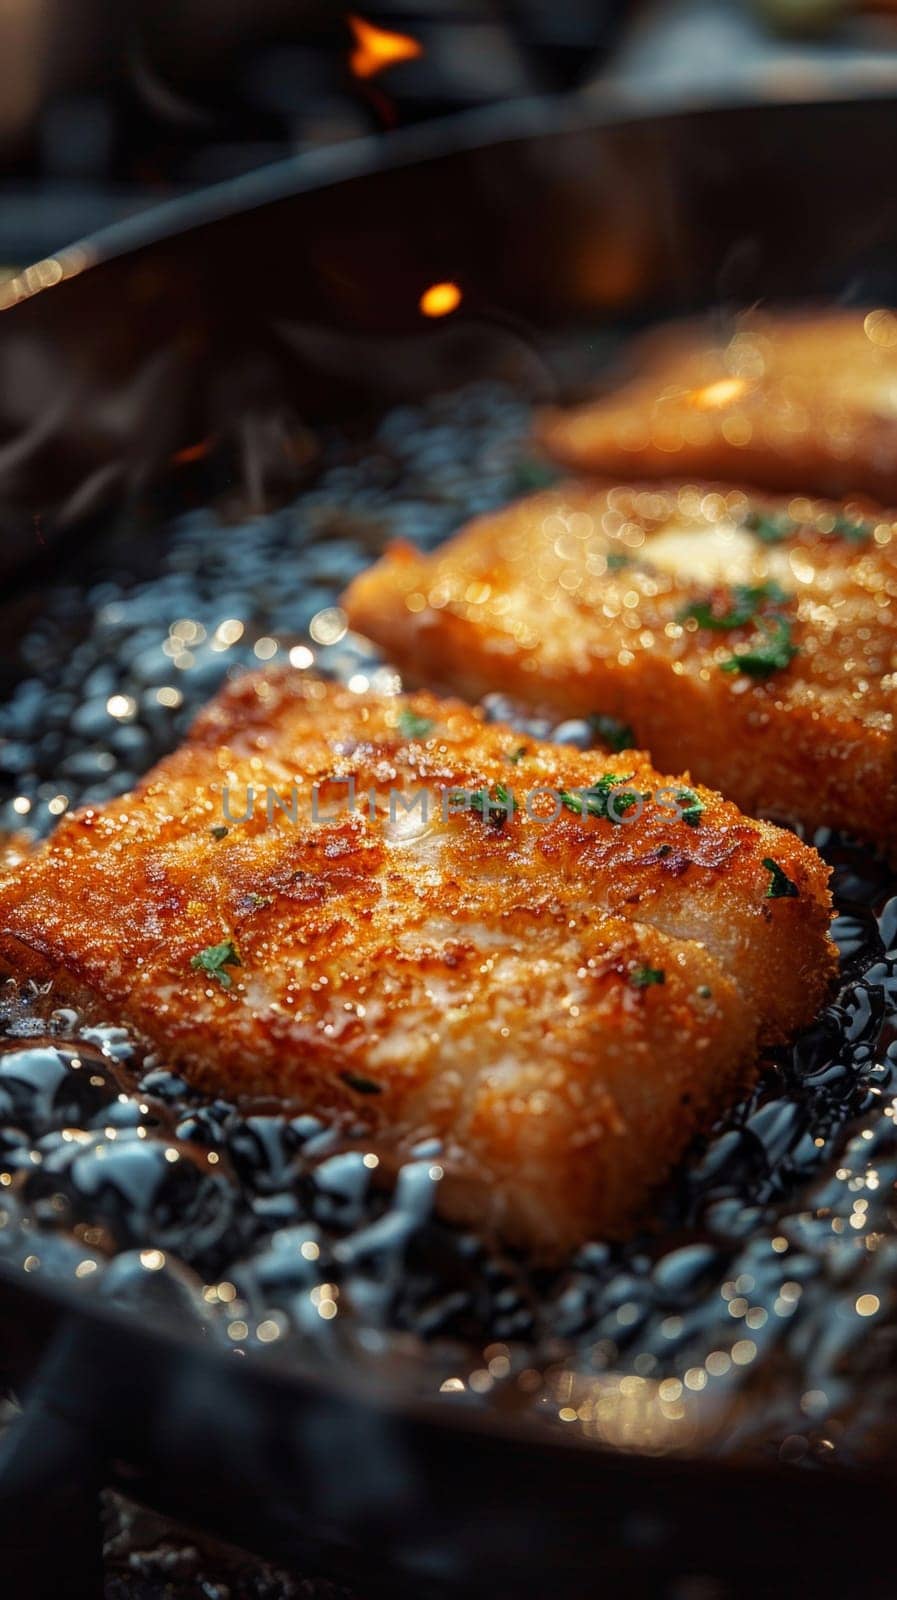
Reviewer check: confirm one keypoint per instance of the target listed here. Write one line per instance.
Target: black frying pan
(294, 294)
(298, 287)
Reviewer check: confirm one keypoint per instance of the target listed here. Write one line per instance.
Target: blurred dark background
(107, 106)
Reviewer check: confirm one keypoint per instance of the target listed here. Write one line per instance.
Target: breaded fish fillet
(788, 401)
(752, 641)
(561, 999)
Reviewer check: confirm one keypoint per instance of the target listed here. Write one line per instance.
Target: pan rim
(444, 138)
(461, 133)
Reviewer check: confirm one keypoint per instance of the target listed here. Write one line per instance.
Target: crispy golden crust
(482, 983)
(789, 401)
(575, 600)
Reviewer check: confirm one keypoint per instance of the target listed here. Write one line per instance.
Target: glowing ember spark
(440, 299)
(378, 48)
(192, 452)
(721, 393)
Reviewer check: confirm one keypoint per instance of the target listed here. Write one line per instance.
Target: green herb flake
(617, 560)
(746, 600)
(854, 529)
(704, 991)
(780, 885)
(516, 755)
(611, 731)
(644, 977)
(770, 527)
(770, 655)
(255, 902)
(495, 806)
(361, 1085)
(411, 726)
(219, 831)
(693, 807)
(215, 959)
(595, 801)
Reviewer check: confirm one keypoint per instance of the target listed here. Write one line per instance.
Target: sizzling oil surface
(762, 1306)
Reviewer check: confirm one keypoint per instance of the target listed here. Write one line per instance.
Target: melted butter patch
(722, 553)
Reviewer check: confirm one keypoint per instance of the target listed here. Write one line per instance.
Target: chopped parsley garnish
(692, 804)
(219, 831)
(516, 755)
(254, 902)
(361, 1085)
(617, 560)
(215, 959)
(643, 977)
(772, 654)
(495, 807)
(771, 527)
(611, 731)
(745, 602)
(853, 529)
(602, 798)
(780, 885)
(411, 726)
(750, 604)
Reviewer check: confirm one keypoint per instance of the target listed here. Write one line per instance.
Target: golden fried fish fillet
(752, 641)
(787, 401)
(561, 999)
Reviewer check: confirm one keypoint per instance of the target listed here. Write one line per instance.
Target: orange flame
(440, 299)
(721, 393)
(192, 452)
(377, 48)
